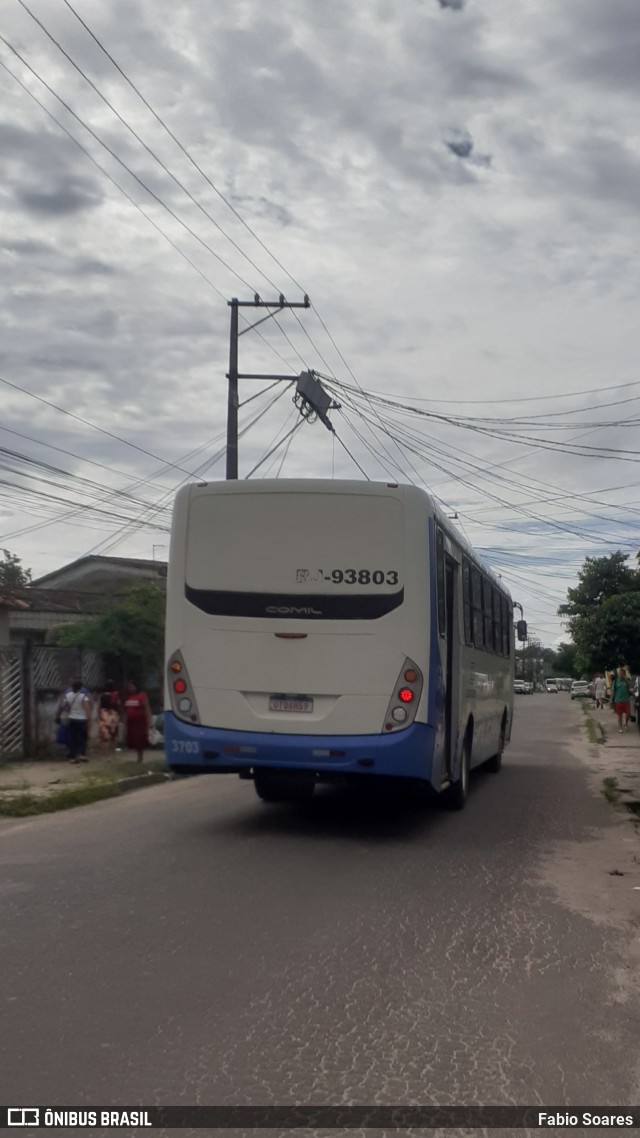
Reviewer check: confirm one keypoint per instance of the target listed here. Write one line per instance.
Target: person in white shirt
(600, 690)
(76, 701)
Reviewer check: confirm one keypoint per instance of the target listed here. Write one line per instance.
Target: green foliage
(129, 634)
(604, 615)
(563, 661)
(610, 635)
(12, 573)
(599, 579)
(611, 790)
(24, 805)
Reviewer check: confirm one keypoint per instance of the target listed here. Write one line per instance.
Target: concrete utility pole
(233, 375)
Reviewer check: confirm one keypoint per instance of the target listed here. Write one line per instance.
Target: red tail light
(406, 695)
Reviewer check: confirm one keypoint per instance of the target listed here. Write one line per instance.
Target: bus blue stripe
(405, 754)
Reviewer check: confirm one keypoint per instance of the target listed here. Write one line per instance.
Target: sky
(454, 184)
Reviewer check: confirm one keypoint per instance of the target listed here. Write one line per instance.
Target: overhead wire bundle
(402, 440)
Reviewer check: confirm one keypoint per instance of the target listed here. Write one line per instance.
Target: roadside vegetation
(594, 728)
(611, 790)
(20, 800)
(603, 615)
(26, 803)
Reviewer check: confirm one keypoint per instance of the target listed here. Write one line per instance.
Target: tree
(604, 614)
(563, 662)
(599, 578)
(129, 634)
(610, 635)
(12, 573)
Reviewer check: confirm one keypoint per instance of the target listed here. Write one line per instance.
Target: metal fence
(31, 682)
(52, 668)
(12, 703)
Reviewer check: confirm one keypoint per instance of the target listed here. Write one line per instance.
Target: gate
(12, 704)
(50, 671)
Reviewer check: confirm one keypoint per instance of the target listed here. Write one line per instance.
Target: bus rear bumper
(193, 749)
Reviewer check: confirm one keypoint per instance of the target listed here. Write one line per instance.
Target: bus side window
(497, 621)
(466, 601)
(506, 627)
(487, 594)
(442, 610)
(478, 616)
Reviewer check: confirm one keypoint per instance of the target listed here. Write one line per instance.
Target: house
(8, 604)
(32, 672)
(75, 592)
(96, 574)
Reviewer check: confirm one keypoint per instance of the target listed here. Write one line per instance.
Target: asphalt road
(188, 944)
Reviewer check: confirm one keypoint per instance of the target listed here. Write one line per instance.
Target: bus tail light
(183, 701)
(403, 705)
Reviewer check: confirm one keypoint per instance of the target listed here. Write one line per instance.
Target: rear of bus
(298, 630)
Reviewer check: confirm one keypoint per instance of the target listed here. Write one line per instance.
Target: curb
(136, 781)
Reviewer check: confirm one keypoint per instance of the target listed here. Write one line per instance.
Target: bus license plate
(290, 703)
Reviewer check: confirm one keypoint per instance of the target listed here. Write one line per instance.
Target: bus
(332, 631)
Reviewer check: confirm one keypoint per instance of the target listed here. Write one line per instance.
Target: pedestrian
(138, 720)
(76, 702)
(109, 718)
(600, 690)
(621, 699)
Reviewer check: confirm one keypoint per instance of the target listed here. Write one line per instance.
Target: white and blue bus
(322, 630)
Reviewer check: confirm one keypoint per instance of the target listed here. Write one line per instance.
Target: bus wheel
(494, 764)
(284, 786)
(455, 796)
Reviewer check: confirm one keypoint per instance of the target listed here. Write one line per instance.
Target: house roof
(61, 601)
(11, 601)
(119, 566)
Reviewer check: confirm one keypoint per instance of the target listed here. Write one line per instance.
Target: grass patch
(595, 731)
(611, 790)
(25, 805)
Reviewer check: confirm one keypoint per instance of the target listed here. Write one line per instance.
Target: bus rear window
(337, 556)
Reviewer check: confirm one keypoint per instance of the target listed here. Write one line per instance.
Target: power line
(88, 423)
(183, 148)
(295, 428)
(124, 165)
(110, 543)
(353, 459)
(131, 200)
(148, 149)
(518, 399)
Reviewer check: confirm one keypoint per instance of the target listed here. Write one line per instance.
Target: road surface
(188, 944)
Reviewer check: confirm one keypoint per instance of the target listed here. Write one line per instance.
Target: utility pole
(233, 375)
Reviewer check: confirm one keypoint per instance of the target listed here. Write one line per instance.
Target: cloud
(456, 195)
(461, 144)
(461, 147)
(59, 200)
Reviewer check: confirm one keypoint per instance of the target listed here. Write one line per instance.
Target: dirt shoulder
(47, 785)
(600, 878)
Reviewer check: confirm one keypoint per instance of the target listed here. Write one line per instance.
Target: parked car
(552, 686)
(518, 687)
(528, 687)
(580, 690)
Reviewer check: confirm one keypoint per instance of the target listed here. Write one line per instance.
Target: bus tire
(284, 786)
(455, 796)
(494, 764)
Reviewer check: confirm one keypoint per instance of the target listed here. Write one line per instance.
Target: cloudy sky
(455, 184)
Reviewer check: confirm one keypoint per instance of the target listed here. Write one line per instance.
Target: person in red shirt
(138, 720)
